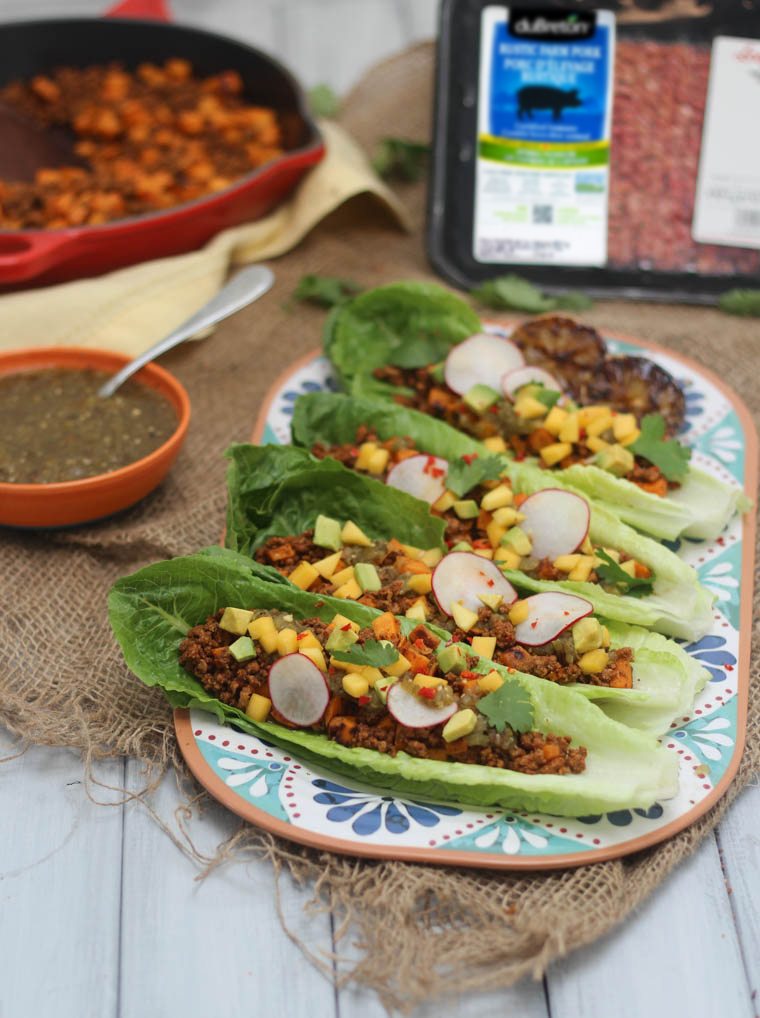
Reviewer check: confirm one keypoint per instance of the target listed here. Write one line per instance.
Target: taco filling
(484, 515)
(549, 634)
(372, 688)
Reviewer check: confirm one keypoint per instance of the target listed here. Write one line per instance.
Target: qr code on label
(543, 214)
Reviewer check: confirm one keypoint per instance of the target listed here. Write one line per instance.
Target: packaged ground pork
(610, 147)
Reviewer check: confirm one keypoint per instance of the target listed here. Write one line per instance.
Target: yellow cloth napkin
(130, 309)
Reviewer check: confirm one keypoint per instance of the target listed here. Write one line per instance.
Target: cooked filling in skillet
(145, 139)
(487, 518)
(411, 705)
(621, 407)
(406, 581)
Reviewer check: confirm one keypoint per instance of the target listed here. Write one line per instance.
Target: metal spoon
(246, 287)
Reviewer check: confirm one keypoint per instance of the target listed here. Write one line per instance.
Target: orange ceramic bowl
(69, 502)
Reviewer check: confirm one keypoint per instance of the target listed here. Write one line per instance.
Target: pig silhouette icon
(546, 97)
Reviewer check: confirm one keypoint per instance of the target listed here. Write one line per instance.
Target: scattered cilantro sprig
(466, 474)
(509, 705)
(325, 291)
(401, 159)
(374, 653)
(513, 293)
(611, 572)
(546, 396)
(669, 455)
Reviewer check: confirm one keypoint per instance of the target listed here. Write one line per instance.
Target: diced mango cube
(314, 654)
(411, 552)
(494, 532)
(571, 429)
(342, 666)
(340, 621)
(597, 444)
(308, 639)
(500, 496)
(484, 552)
(485, 646)
(555, 419)
(304, 575)
(629, 567)
(630, 439)
(444, 502)
(417, 610)
(530, 409)
(339, 578)
(378, 461)
(327, 567)
(593, 662)
(235, 620)
(507, 557)
(492, 601)
(490, 683)
(587, 547)
(420, 583)
(582, 570)
(605, 637)
(459, 725)
(258, 707)
(555, 452)
(507, 516)
(431, 557)
(398, 668)
(495, 443)
(587, 414)
(613, 553)
(355, 685)
(423, 681)
(623, 425)
(599, 425)
(351, 534)
(264, 630)
(350, 590)
(287, 641)
(464, 617)
(519, 612)
(372, 675)
(566, 563)
(366, 449)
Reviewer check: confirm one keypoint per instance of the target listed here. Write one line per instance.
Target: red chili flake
(520, 456)
(300, 636)
(345, 629)
(383, 689)
(565, 613)
(420, 643)
(469, 457)
(491, 583)
(534, 624)
(437, 472)
(429, 465)
(469, 675)
(720, 540)
(481, 542)
(363, 701)
(354, 450)
(427, 691)
(582, 433)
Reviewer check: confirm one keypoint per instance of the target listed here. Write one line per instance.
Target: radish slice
(551, 613)
(518, 377)
(556, 520)
(463, 576)
(480, 360)
(412, 711)
(421, 476)
(298, 689)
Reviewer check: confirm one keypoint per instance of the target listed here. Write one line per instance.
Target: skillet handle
(26, 255)
(143, 10)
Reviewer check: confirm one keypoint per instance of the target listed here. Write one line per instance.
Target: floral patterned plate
(310, 805)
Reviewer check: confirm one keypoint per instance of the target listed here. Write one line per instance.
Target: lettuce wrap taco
(549, 393)
(380, 700)
(556, 634)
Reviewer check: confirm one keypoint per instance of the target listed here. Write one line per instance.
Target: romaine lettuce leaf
(281, 490)
(151, 611)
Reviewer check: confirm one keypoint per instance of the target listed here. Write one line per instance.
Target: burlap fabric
(422, 932)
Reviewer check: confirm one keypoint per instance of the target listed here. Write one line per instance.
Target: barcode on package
(543, 214)
(747, 219)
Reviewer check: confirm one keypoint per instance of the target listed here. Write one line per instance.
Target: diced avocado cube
(235, 620)
(243, 649)
(366, 576)
(587, 635)
(327, 533)
(615, 459)
(516, 539)
(452, 659)
(481, 397)
(341, 639)
(382, 686)
(466, 508)
(462, 546)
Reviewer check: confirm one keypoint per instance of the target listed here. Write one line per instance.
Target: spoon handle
(248, 285)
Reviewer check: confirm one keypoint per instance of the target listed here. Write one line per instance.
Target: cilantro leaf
(514, 293)
(323, 102)
(741, 302)
(546, 396)
(375, 653)
(401, 159)
(463, 476)
(669, 455)
(612, 573)
(326, 291)
(509, 705)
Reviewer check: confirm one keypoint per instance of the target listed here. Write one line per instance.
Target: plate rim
(205, 775)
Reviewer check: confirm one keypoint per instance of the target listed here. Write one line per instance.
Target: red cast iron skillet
(38, 257)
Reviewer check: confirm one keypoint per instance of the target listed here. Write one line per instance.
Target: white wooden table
(101, 915)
